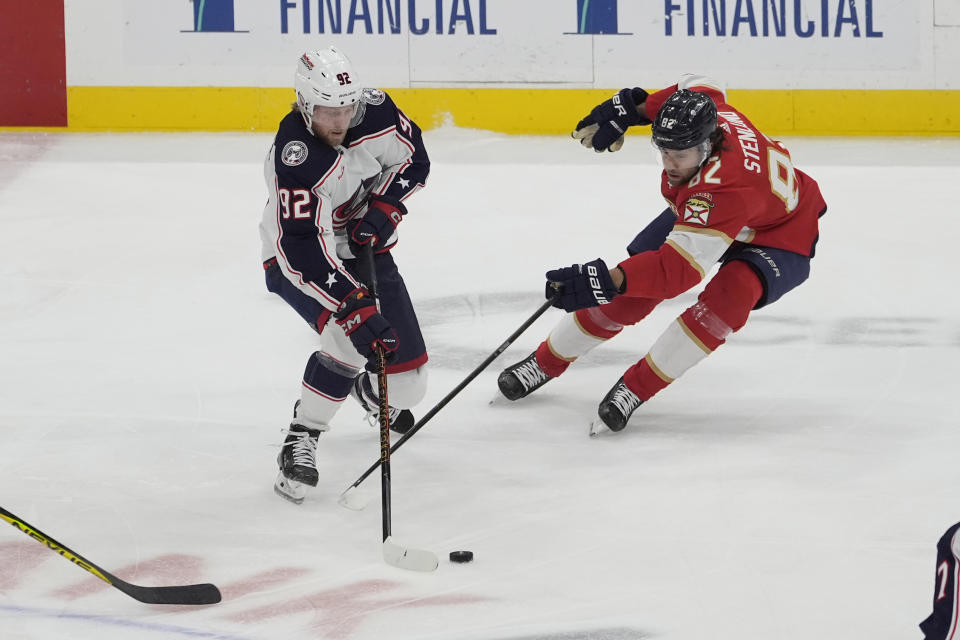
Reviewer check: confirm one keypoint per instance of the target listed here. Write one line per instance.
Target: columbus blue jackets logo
(697, 209)
(373, 96)
(294, 153)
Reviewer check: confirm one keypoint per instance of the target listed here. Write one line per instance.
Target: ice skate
(615, 409)
(401, 420)
(522, 379)
(298, 463)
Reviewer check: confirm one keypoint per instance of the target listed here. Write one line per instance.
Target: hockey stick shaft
(186, 594)
(384, 418)
(450, 396)
(393, 553)
(384, 404)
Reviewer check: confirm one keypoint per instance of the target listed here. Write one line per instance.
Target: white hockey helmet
(325, 78)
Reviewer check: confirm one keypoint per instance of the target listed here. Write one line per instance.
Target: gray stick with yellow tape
(186, 594)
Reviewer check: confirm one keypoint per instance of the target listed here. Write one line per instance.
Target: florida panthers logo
(294, 153)
(697, 209)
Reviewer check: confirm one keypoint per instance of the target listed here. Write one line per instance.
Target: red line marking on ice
(338, 612)
(261, 582)
(17, 558)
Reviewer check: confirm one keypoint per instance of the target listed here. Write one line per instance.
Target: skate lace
(304, 448)
(373, 416)
(530, 374)
(372, 407)
(625, 400)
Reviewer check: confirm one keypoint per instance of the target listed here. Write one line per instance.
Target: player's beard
(333, 140)
(328, 137)
(680, 178)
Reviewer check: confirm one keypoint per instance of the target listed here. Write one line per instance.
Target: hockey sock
(622, 311)
(551, 363)
(570, 339)
(326, 383)
(721, 309)
(579, 332)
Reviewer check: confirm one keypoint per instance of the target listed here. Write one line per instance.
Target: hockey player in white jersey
(343, 162)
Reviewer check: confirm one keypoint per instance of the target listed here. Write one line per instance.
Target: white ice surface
(791, 486)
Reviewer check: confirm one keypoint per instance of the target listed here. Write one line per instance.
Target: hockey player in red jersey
(344, 161)
(734, 199)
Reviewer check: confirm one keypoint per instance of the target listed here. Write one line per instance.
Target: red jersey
(747, 192)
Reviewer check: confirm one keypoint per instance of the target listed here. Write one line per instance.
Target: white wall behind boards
(762, 44)
(947, 13)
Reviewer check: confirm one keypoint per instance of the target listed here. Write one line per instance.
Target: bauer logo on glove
(603, 128)
(598, 290)
(580, 286)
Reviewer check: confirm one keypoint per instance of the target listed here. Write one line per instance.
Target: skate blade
(598, 428)
(499, 400)
(352, 500)
(290, 490)
(287, 496)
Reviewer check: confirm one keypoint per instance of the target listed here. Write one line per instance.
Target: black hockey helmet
(685, 120)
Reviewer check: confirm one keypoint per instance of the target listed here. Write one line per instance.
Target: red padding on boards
(33, 66)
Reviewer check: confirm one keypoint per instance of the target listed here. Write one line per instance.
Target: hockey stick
(187, 594)
(347, 498)
(393, 553)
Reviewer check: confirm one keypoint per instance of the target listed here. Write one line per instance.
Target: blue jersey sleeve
(306, 247)
(409, 165)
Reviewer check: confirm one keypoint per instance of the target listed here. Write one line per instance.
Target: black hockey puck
(461, 556)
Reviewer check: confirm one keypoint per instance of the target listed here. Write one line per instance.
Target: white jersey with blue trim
(314, 190)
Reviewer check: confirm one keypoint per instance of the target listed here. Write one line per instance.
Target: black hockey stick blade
(186, 594)
(205, 593)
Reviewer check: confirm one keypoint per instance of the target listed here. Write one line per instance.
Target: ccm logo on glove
(366, 328)
(378, 223)
(354, 321)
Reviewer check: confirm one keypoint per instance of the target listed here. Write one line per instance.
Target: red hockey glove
(378, 223)
(366, 328)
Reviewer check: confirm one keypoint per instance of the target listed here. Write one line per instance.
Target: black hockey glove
(580, 286)
(377, 224)
(603, 129)
(366, 328)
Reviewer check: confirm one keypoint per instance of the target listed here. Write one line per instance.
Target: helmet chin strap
(302, 107)
(705, 149)
(358, 116)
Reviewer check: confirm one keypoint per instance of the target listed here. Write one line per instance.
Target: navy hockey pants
(779, 270)
(395, 306)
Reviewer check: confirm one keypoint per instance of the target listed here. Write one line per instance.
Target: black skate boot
(617, 406)
(298, 463)
(400, 419)
(522, 379)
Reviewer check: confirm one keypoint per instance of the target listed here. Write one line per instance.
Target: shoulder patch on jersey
(697, 208)
(294, 153)
(373, 96)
